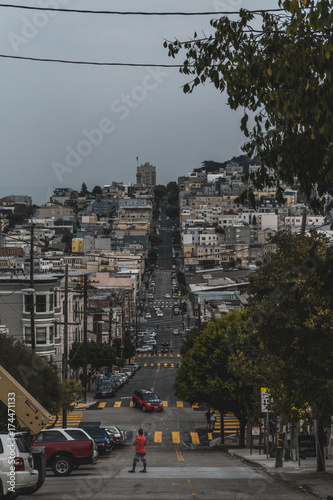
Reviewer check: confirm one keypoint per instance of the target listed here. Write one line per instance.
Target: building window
(51, 301)
(27, 335)
(55, 299)
(27, 302)
(51, 331)
(41, 335)
(40, 303)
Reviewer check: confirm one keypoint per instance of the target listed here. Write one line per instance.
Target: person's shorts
(140, 456)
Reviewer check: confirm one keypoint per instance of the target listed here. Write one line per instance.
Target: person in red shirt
(140, 451)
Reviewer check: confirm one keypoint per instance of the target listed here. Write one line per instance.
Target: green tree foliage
(38, 376)
(84, 190)
(172, 212)
(98, 355)
(159, 192)
(291, 303)
(205, 376)
(155, 239)
(281, 75)
(96, 190)
(172, 187)
(128, 351)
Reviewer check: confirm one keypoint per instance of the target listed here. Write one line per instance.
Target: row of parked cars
(108, 387)
(23, 460)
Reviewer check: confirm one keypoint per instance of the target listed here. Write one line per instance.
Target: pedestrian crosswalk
(73, 417)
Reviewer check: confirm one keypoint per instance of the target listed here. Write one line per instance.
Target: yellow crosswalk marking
(195, 438)
(102, 404)
(158, 437)
(176, 437)
(180, 404)
(117, 404)
(131, 404)
(165, 365)
(195, 405)
(210, 436)
(165, 404)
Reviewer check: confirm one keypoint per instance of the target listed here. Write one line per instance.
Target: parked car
(63, 453)
(128, 370)
(100, 437)
(107, 389)
(118, 434)
(119, 378)
(175, 331)
(16, 460)
(146, 400)
(135, 365)
(151, 342)
(165, 343)
(148, 315)
(164, 349)
(144, 348)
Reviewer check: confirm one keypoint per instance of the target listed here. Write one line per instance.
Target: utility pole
(110, 325)
(32, 296)
(85, 331)
(65, 356)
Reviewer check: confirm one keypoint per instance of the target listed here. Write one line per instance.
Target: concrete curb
(268, 470)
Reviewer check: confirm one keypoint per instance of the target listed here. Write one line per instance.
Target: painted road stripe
(131, 404)
(102, 404)
(117, 404)
(195, 438)
(165, 404)
(180, 404)
(176, 437)
(158, 437)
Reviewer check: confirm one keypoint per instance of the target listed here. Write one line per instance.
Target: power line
(137, 13)
(93, 63)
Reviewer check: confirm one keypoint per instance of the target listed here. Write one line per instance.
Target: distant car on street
(165, 342)
(159, 313)
(167, 296)
(144, 348)
(148, 315)
(176, 331)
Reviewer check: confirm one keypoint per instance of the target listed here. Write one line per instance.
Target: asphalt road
(178, 468)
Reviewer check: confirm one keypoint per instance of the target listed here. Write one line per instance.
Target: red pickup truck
(66, 450)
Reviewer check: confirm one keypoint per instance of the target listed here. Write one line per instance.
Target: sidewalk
(303, 477)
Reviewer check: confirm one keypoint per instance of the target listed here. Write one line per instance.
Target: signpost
(265, 400)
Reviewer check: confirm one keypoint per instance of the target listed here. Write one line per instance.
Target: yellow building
(77, 245)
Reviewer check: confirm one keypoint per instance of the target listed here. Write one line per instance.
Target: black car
(165, 343)
(101, 439)
(164, 349)
(107, 389)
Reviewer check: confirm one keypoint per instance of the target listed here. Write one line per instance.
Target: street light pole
(32, 296)
(85, 333)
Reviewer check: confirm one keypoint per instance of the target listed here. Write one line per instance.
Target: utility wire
(136, 13)
(93, 63)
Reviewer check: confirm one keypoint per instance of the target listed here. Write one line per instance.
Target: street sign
(307, 446)
(265, 399)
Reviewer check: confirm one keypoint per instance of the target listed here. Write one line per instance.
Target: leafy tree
(97, 190)
(152, 256)
(172, 187)
(155, 239)
(84, 190)
(67, 238)
(38, 376)
(205, 375)
(128, 350)
(159, 192)
(98, 355)
(281, 77)
(173, 199)
(291, 301)
(172, 212)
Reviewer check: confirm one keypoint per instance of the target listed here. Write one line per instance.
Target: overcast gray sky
(63, 124)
